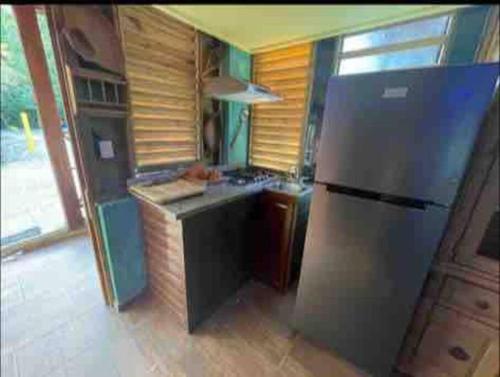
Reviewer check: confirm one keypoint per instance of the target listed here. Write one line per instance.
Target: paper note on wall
(106, 149)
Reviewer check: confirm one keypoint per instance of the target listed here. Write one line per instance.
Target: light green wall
(237, 64)
(467, 34)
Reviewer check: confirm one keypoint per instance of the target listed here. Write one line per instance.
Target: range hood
(230, 89)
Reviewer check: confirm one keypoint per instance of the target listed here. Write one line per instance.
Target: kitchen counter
(197, 249)
(216, 195)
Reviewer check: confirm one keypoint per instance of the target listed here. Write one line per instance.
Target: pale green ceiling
(260, 27)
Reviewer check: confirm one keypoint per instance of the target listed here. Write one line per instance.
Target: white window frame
(442, 40)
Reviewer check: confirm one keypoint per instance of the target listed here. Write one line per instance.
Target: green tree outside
(16, 86)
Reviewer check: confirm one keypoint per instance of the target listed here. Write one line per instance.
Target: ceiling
(255, 28)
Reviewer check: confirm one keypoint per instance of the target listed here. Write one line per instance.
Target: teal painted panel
(237, 118)
(466, 38)
(237, 64)
(325, 51)
(123, 243)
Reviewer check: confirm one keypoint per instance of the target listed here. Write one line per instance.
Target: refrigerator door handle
(376, 196)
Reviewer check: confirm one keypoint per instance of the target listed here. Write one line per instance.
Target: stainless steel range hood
(230, 89)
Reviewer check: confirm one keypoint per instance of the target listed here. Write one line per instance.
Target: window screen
(277, 127)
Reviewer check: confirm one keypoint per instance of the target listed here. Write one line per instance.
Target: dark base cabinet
(216, 249)
(197, 262)
(279, 226)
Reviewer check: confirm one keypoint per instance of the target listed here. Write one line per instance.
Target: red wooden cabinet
(279, 232)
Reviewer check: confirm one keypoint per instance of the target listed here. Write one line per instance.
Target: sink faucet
(294, 174)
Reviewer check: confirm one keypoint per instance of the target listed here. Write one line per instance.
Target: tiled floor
(55, 323)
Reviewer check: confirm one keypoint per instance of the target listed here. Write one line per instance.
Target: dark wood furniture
(279, 225)
(455, 327)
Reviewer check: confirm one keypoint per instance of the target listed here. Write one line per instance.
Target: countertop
(216, 195)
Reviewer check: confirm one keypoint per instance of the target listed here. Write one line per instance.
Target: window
(276, 138)
(414, 44)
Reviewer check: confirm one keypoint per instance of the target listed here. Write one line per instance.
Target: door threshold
(42, 241)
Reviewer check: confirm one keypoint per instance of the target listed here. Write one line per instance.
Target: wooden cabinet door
(298, 238)
(453, 345)
(273, 244)
(472, 299)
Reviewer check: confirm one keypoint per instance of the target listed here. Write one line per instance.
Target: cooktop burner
(246, 177)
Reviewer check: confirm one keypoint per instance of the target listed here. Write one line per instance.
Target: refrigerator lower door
(363, 268)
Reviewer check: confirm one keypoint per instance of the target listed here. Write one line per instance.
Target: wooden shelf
(97, 75)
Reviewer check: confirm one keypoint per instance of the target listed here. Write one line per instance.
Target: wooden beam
(51, 123)
(43, 241)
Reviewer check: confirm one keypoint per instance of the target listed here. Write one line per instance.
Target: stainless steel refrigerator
(393, 149)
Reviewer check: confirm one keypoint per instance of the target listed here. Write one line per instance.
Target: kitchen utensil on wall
(92, 36)
(211, 132)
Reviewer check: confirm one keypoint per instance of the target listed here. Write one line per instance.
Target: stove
(249, 176)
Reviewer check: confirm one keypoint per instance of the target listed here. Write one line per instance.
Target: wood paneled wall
(278, 127)
(162, 71)
(165, 259)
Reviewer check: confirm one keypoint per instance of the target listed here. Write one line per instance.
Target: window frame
(400, 46)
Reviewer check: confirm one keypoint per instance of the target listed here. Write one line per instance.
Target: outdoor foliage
(16, 87)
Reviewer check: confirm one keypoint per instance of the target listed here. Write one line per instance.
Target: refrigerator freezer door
(406, 133)
(363, 268)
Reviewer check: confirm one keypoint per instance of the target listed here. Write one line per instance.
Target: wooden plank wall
(165, 259)
(278, 127)
(161, 68)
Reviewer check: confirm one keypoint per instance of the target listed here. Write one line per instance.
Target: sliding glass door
(31, 205)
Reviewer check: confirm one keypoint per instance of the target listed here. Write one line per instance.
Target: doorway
(32, 206)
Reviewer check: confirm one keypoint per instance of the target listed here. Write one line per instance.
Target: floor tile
(95, 329)
(32, 319)
(12, 295)
(259, 332)
(9, 368)
(39, 357)
(57, 325)
(93, 362)
(60, 372)
(321, 362)
(291, 368)
(139, 312)
(85, 299)
(128, 359)
(72, 341)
